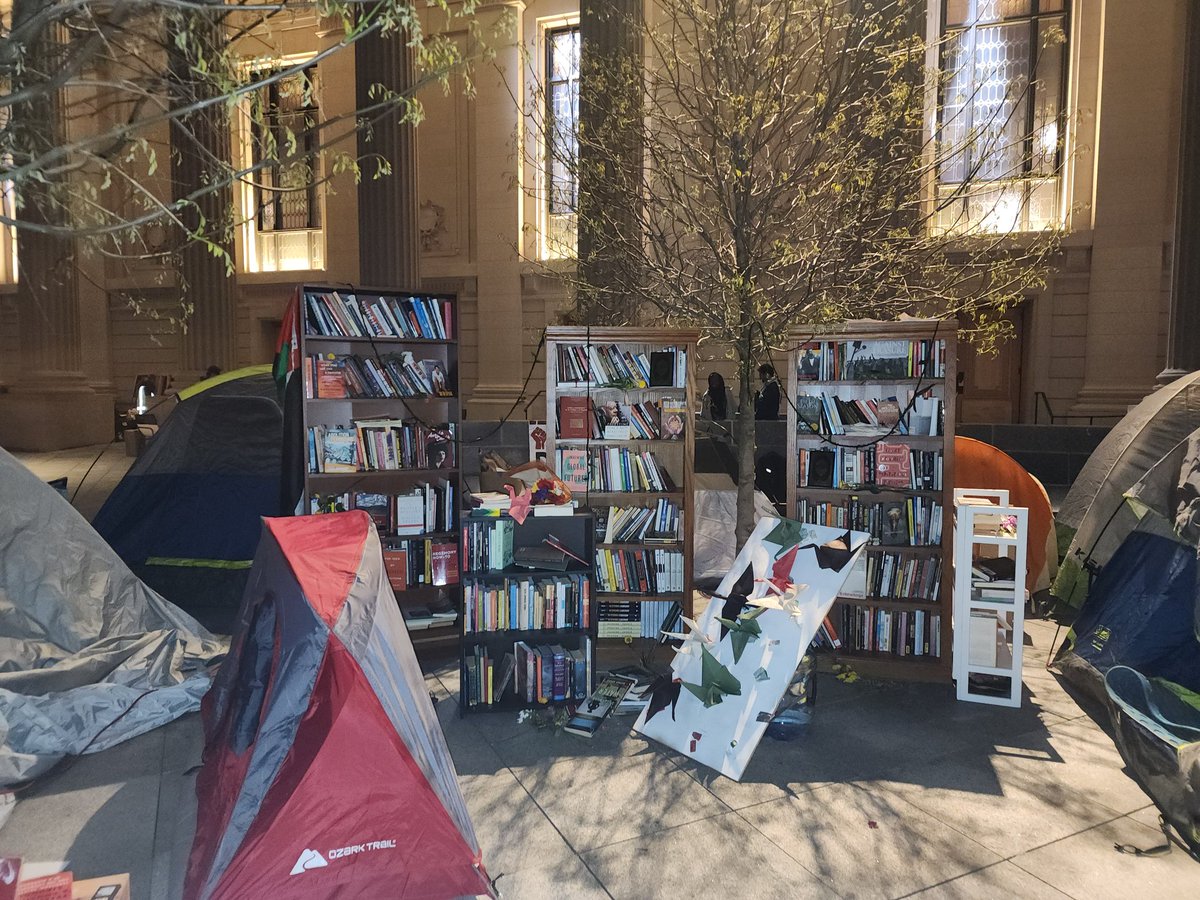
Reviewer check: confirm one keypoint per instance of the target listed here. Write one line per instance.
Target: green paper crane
(743, 630)
(716, 681)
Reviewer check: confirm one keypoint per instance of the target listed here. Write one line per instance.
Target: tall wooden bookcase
(675, 456)
(886, 632)
(330, 336)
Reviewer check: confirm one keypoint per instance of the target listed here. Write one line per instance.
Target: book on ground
(595, 709)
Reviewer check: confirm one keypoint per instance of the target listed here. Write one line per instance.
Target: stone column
(51, 405)
(609, 200)
(388, 235)
(200, 148)
(498, 224)
(1183, 330)
(1133, 197)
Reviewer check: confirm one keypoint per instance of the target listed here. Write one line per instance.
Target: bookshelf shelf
(334, 346)
(321, 339)
(648, 374)
(500, 599)
(912, 369)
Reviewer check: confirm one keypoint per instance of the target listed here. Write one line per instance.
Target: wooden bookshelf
(505, 612)
(858, 380)
(598, 388)
(379, 338)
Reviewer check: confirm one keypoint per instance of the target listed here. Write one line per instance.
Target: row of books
(648, 619)
(427, 508)
(579, 418)
(826, 637)
(885, 465)
(830, 414)
(488, 544)
(636, 366)
(612, 469)
(330, 377)
(524, 604)
(342, 314)
(424, 561)
(638, 524)
(904, 632)
(872, 360)
(893, 576)
(639, 571)
(913, 522)
(536, 673)
(380, 444)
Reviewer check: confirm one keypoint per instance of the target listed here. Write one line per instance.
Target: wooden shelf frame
(875, 663)
(435, 410)
(683, 474)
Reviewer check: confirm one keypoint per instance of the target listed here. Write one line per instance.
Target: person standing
(766, 400)
(717, 402)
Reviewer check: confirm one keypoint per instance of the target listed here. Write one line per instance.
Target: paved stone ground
(89, 494)
(896, 790)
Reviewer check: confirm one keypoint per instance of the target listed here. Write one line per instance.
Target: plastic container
(795, 709)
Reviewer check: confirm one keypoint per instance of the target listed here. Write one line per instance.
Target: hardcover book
(445, 563)
(893, 465)
(809, 368)
(674, 415)
(662, 368)
(808, 411)
(574, 466)
(894, 532)
(341, 450)
(820, 468)
(593, 711)
(574, 417)
(331, 381)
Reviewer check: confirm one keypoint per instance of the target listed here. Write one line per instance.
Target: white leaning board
(730, 730)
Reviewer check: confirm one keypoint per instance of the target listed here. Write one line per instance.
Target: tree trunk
(744, 438)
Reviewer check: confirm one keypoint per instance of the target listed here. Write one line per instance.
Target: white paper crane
(693, 640)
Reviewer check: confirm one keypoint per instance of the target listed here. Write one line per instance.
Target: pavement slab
(722, 856)
(1000, 880)
(866, 843)
(1087, 867)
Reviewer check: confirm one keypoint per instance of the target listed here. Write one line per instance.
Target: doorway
(991, 384)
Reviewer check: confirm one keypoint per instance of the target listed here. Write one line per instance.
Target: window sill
(287, 276)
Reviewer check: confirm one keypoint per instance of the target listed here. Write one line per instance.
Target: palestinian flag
(290, 382)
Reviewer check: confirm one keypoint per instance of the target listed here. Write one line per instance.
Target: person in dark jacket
(766, 400)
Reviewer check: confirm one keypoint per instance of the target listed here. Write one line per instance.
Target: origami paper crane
(732, 608)
(716, 681)
(663, 691)
(696, 636)
(742, 630)
(833, 554)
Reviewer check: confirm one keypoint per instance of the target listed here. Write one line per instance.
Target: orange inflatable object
(980, 465)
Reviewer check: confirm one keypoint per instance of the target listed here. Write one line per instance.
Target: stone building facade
(466, 211)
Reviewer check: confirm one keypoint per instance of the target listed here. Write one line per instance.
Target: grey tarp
(714, 545)
(81, 638)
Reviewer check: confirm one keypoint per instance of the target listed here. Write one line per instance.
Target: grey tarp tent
(1095, 510)
(81, 639)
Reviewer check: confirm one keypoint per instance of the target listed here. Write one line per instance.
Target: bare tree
(95, 93)
(792, 152)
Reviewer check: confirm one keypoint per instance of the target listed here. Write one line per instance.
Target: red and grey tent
(325, 770)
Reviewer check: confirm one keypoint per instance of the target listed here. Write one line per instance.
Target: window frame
(261, 249)
(557, 231)
(1028, 180)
